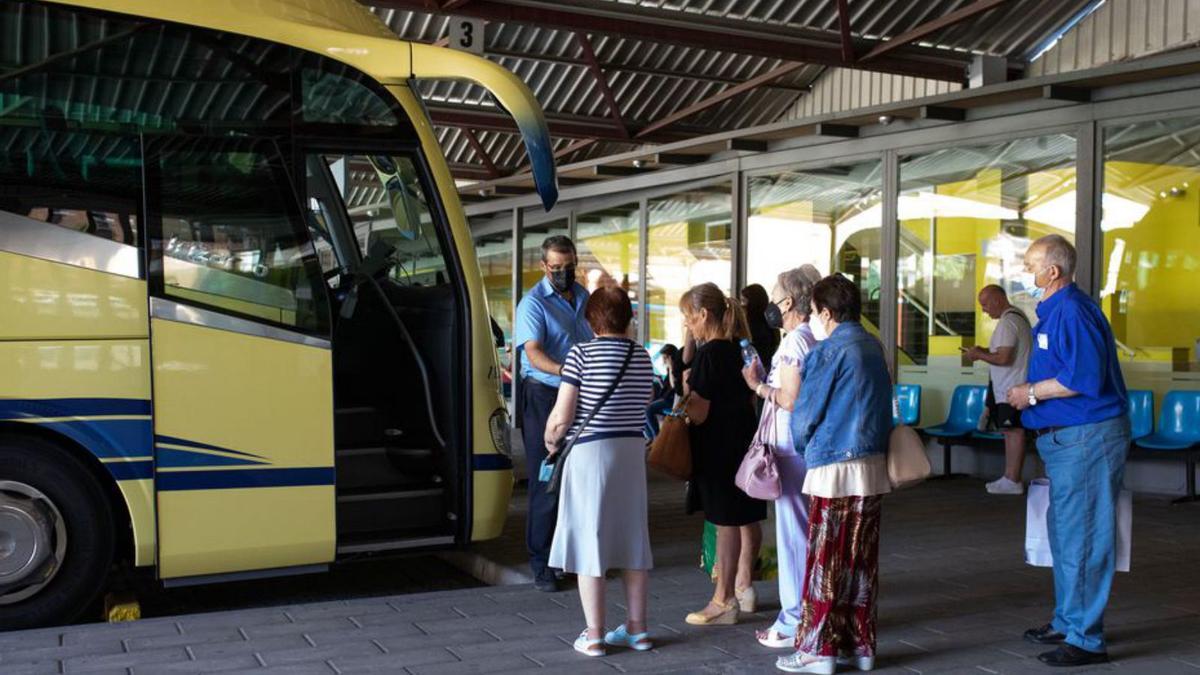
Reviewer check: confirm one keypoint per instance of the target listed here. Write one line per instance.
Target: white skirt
(602, 522)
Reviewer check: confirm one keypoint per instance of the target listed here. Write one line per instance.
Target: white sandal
(588, 646)
(773, 639)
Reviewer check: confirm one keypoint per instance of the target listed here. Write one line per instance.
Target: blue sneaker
(621, 638)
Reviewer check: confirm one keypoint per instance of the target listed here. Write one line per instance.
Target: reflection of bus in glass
(243, 330)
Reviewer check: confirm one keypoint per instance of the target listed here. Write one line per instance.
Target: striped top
(592, 367)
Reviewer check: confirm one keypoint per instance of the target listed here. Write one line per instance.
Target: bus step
(392, 541)
(367, 511)
(364, 425)
(384, 467)
(389, 495)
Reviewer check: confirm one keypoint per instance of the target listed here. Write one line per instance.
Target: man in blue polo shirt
(1075, 402)
(549, 322)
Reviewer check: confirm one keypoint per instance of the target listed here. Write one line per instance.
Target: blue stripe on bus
(491, 463)
(131, 470)
(243, 478)
(108, 439)
(16, 408)
(172, 458)
(171, 440)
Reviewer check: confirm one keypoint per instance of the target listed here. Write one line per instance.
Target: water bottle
(750, 358)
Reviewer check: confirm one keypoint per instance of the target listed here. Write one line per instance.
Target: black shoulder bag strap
(560, 459)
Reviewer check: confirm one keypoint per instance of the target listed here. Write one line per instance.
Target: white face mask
(1029, 282)
(817, 327)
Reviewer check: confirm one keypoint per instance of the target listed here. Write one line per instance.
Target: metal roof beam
(608, 65)
(688, 30)
(844, 27)
(597, 128)
(589, 57)
(481, 152)
(930, 27)
(720, 97)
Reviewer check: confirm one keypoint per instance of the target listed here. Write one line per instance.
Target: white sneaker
(803, 663)
(1004, 486)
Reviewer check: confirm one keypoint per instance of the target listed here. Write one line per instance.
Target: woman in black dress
(722, 423)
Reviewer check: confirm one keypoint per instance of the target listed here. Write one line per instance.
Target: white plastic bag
(1037, 541)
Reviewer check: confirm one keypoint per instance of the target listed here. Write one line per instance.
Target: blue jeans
(653, 410)
(1086, 467)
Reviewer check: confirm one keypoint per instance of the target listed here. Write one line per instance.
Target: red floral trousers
(842, 577)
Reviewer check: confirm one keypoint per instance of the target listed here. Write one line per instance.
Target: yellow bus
(242, 328)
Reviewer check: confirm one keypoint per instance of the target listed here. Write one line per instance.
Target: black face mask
(774, 316)
(562, 280)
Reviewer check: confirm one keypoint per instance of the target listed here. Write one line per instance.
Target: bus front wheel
(56, 534)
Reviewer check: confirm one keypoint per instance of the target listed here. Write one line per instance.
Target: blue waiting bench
(1177, 436)
(962, 422)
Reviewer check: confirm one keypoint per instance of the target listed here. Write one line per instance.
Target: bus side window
(59, 179)
(387, 202)
(231, 238)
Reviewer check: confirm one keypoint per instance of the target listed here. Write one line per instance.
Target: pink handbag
(758, 475)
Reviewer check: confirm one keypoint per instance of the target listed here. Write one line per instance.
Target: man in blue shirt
(549, 322)
(1075, 401)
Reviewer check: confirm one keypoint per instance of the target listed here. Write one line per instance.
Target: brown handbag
(671, 451)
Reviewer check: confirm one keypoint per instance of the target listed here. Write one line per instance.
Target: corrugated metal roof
(651, 80)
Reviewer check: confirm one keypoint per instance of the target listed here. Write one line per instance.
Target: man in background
(1007, 357)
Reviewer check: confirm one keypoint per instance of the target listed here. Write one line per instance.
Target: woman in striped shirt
(602, 501)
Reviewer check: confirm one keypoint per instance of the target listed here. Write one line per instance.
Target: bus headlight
(499, 427)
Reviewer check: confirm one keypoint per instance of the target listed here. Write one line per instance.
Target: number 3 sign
(466, 34)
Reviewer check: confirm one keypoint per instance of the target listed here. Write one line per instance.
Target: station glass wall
(607, 240)
(690, 235)
(967, 214)
(1151, 250)
(828, 217)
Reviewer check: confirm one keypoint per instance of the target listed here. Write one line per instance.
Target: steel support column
(1089, 189)
(889, 248)
(643, 313)
(738, 229)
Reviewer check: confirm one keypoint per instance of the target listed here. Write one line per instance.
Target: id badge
(545, 472)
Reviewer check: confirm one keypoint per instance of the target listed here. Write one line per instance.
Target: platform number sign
(466, 34)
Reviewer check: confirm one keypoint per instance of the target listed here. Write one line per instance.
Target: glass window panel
(967, 215)
(494, 253)
(828, 217)
(689, 244)
(90, 183)
(109, 71)
(607, 240)
(232, 238)
(337, 94)
(396, 212)
(1152, 250)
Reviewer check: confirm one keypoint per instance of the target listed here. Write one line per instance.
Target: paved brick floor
(955, 599)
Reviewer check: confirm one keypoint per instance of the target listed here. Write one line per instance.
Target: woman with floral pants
(841, 423)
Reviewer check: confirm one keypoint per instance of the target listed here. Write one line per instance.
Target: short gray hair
(1058, 252)
(797, 284)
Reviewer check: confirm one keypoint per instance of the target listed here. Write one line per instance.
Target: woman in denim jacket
(841, 424)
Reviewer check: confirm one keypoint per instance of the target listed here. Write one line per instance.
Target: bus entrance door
(242, 365)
